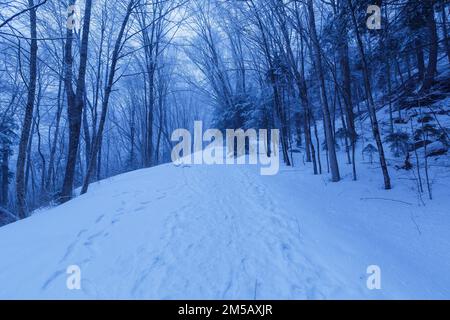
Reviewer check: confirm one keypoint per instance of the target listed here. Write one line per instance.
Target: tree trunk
(5, 175)
(371, 104)
(387, 62)
(433, 55)
(51, 164)
(26, 126)
(445, 30)
(108, 89)
(75, 102)
(335, 176)
(347, 89)
(419, 58)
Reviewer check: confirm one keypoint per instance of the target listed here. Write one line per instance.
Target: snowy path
(222, 232)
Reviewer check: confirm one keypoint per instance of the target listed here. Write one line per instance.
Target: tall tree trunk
(445, 29)
(151, 50)
(433, 55)
(335, 176)
(75, 101)
(99, 160)
(316, 134)
(347, 88)
(298, 76)
(420, 58)
(160, 121)
(108, 90)
(278, 103)
(51, 164)
(371, 103)
(86, 133)
(4, 174)
(26, 126)
(387, 62)
(42, 192)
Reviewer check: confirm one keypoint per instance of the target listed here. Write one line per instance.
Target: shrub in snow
(428, 130)
(398, 142)
(325, 147)
(370, 150)
(342, 133)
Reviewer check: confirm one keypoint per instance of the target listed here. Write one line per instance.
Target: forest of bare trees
(90, 89)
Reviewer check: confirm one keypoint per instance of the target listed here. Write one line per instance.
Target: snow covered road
(225, 232)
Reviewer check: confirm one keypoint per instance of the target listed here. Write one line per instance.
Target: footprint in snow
(81, 233)
(99, 218)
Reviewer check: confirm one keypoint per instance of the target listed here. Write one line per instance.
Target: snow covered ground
(226, 232)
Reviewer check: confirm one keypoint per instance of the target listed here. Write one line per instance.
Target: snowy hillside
(226, 232)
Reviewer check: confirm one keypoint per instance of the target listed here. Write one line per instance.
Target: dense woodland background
(81, 104)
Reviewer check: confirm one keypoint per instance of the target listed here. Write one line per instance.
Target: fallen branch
(404, 202)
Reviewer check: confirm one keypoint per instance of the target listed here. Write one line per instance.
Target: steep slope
(227, 232)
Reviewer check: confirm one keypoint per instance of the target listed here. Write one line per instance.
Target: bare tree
(111, 77)
(335, 176)
(371, 103)
(28, 119)
(75, 100)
